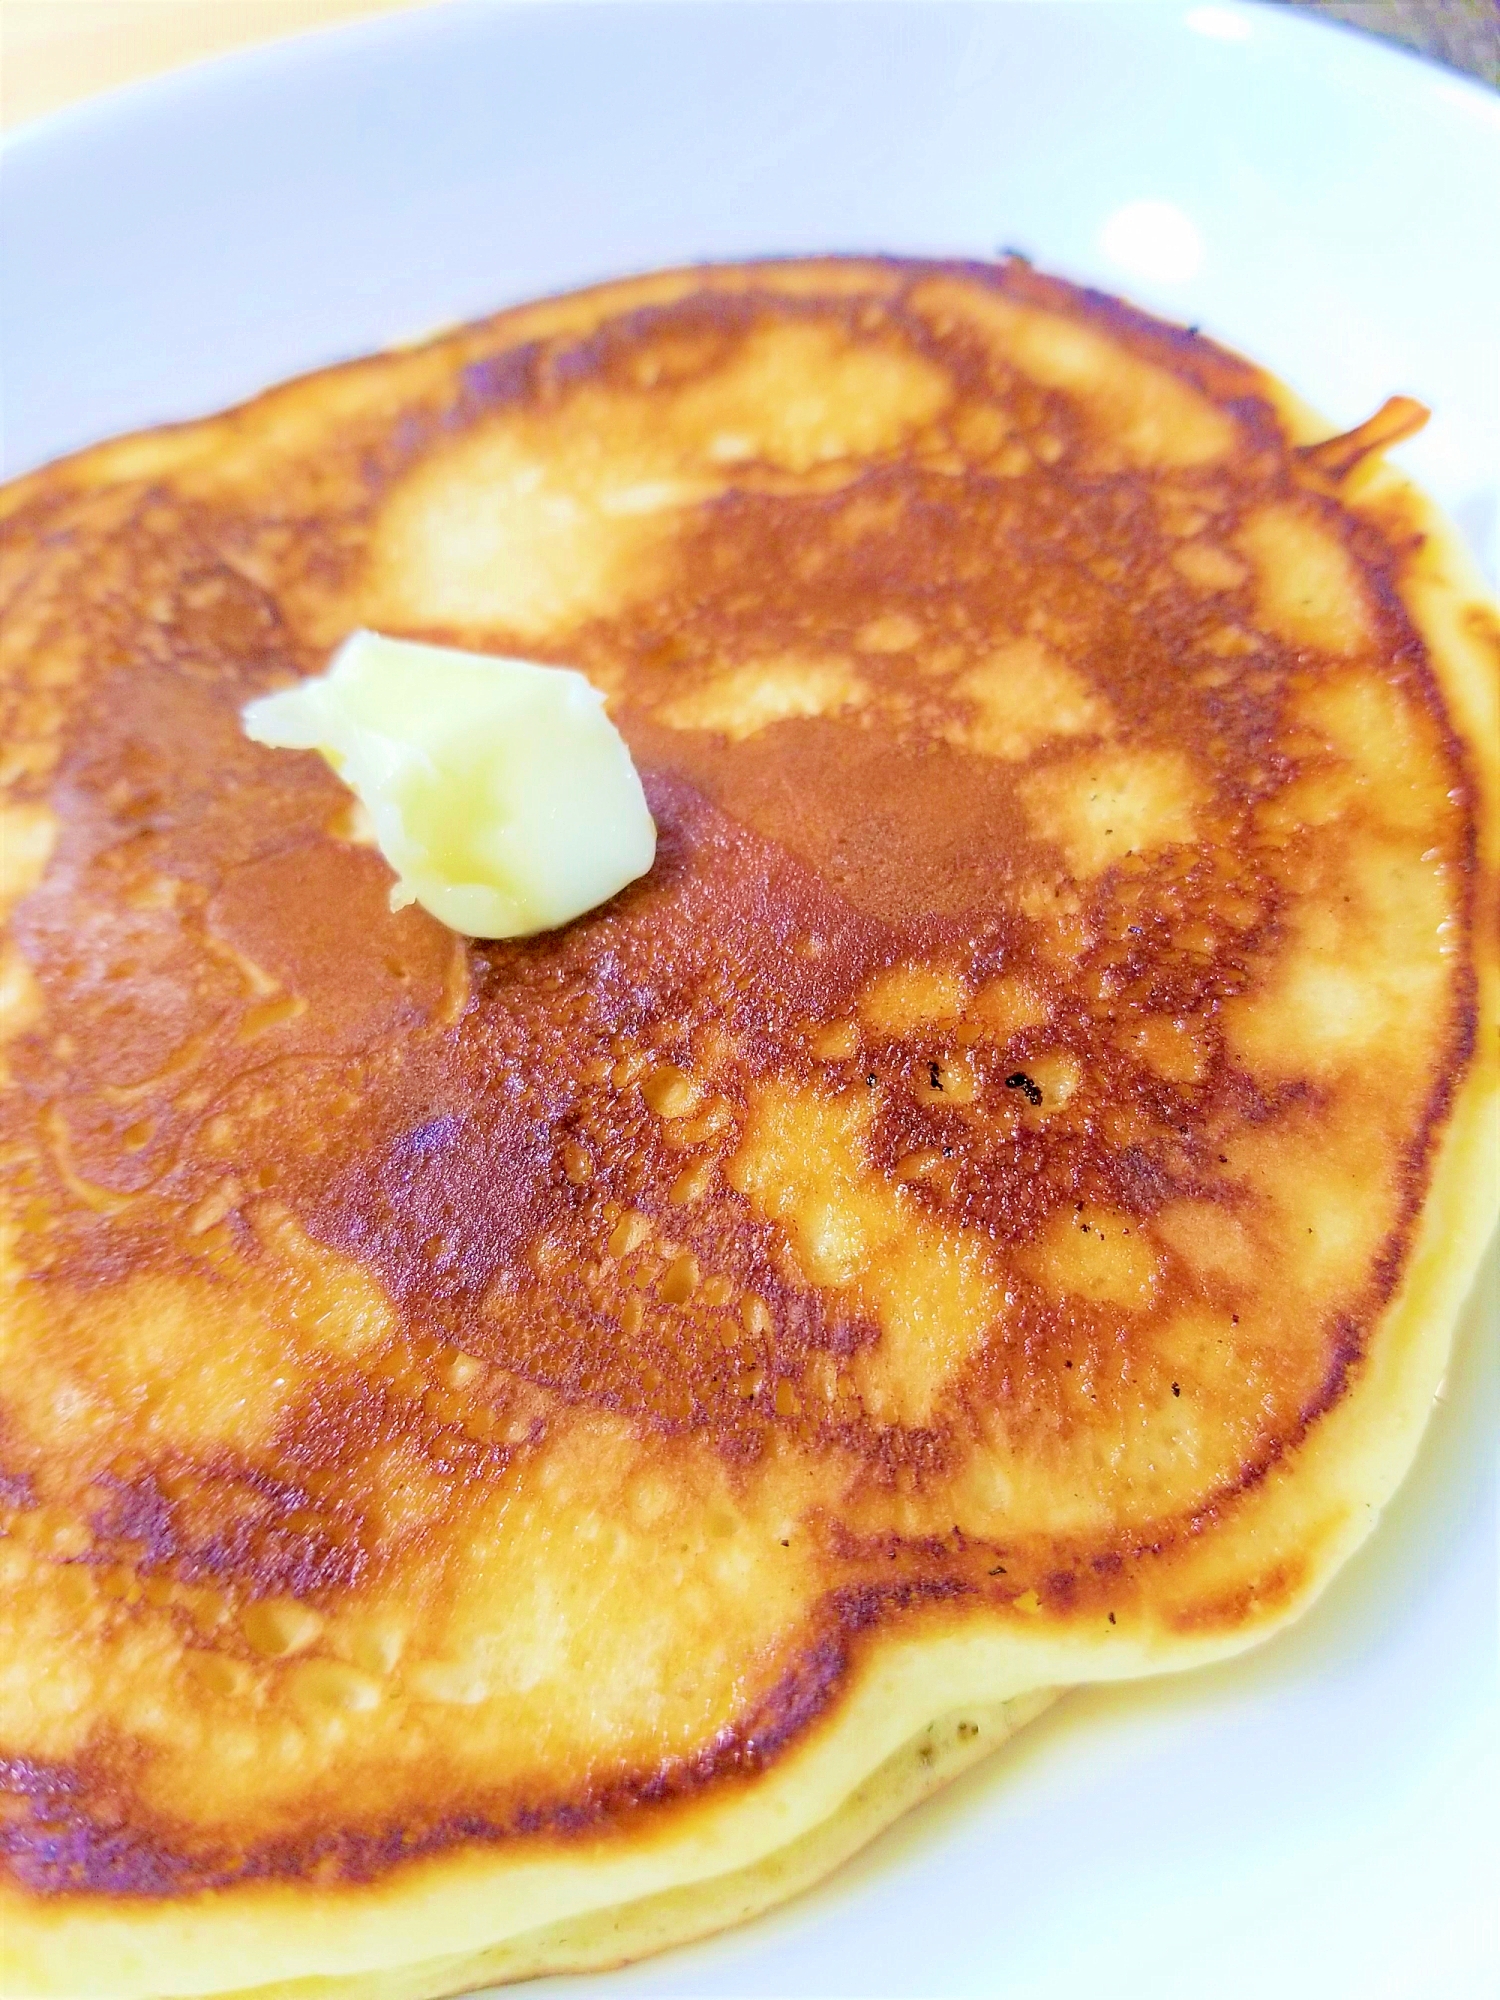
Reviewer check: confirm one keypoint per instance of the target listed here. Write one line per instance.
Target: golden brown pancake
(517, 1454)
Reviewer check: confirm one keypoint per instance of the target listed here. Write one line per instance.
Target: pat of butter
(501, 793)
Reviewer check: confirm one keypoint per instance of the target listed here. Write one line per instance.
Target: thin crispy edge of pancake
(440, 1926)
(604, 1939)
(168, 449)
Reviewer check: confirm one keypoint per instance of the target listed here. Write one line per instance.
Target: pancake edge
(602, 1940)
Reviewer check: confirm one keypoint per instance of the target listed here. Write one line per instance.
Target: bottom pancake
(598, 1940)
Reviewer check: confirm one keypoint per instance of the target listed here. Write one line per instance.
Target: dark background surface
(1465, 34)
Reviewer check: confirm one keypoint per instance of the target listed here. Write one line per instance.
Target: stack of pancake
(516, 1454)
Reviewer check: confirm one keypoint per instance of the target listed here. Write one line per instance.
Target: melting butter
(501, 793)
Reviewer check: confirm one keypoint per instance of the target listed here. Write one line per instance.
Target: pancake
(518, 1454)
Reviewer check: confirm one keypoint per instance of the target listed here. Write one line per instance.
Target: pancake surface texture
(518, 1454)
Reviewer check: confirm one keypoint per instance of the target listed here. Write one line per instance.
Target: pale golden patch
(509, 527)
(671, 1092)
(102, 1200)
(1311, 1180)
(1101, 807)
(1058, 1075)
(1209, 566)
(1308, 590)
(28, 834)
(453, 1683)
(53, 1705)
(1057, 909)
(170, 1361)
(1023, 695)
(211, 1209)
(1227, 1383)
(946, 1081)
(1364, 955)
(497, 1628)
(679, 1281)
(981, 429)
(748, 699)
(691, 1184)
(331, 1685)
(21, 999)
(714, 1119)
(280, 1012)
(1227, 642)
(1319, 797)
(334, 1301)
(1387, 748)
(1172, 1047)
(799, 395)
(408, 1497)
(912, 996)
(837, 1042)
(1145, 414)
(259, 984)
(1060, 1470)
(803, 1164)
(651, 496)
(159, 892)
(893, 632)
(1322, 1015)
(279, 1626)
(1211, 1239)
(152, 1358)
(629, 1233)
(1368, 752)
(1006, 1006)
(375, 1643)
(1180, 509)
(657, 1564)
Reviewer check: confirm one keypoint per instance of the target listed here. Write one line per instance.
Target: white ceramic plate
(1319, 1820)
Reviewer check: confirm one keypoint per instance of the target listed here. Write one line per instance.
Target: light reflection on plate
(1152, 243)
